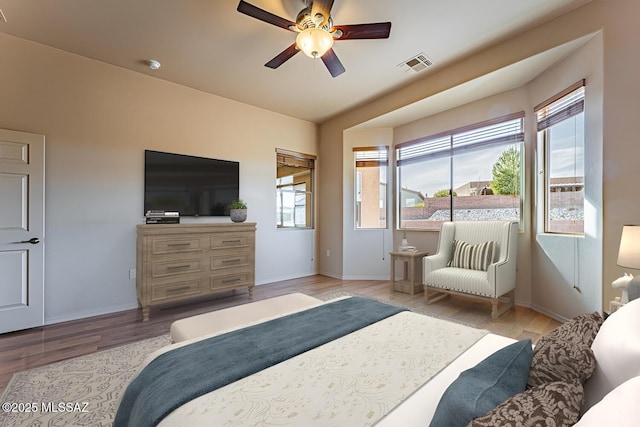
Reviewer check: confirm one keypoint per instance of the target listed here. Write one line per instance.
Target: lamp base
(633, 290)
(630, 287)
(623, 282)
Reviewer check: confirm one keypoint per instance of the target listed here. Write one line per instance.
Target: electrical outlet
(132, 273)
(328, 252)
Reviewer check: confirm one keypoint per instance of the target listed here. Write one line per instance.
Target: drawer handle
(183, 288)
(232, 241)
(172, 245)
(176, 267)
(232, 261)
(236, 279)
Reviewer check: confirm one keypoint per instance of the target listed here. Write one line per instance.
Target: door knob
(33, 241)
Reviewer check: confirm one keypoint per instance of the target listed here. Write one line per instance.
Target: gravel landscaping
(502, 214)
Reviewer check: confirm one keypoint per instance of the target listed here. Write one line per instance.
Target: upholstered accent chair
(477, 259)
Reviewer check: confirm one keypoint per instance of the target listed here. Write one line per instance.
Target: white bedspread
(352, 381)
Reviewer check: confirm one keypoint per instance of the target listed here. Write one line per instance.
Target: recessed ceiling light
(153, 64)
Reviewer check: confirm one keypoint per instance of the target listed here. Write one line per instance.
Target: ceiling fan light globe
(314, 42)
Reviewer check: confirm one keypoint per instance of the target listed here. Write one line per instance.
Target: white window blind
(503, 130)
(371, 156)
(569, 104)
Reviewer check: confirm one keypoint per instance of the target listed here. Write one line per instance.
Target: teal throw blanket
(183, 374)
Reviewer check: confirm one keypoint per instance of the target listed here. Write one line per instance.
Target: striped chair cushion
(474, 257)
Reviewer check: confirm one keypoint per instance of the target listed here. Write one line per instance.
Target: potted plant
(238, 210)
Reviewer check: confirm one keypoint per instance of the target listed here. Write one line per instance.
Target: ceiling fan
(316, 32)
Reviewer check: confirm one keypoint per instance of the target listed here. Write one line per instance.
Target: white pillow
(618, 408)
(617, 351)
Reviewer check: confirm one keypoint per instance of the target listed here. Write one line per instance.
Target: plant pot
(238, 215)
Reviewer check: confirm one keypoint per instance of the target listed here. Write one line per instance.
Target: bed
(387, 371)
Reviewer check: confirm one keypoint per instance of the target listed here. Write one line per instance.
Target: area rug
(83, 391)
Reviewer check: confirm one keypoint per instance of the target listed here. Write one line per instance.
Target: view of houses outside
(293, 201)
(486, 186)
(474, 173)
(371, 191)
(371, 165)
(561, 138)
(425, 201)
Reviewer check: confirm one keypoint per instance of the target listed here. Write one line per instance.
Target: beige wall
(621, 104)
(97, 120)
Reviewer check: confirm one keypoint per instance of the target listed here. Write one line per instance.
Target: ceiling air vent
(417, 63)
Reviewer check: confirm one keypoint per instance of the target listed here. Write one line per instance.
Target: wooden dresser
(179, 261)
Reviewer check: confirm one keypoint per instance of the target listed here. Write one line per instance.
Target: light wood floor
(40, 346)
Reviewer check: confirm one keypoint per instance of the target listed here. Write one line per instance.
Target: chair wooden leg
(507, 299)
(437, 296)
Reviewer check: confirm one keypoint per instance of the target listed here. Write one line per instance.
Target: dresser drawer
(237, 279)
(184, 243)
(170, 291)
(230, 258)
(175, 267)
(229, 240)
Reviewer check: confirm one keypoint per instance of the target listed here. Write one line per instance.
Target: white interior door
(21, 230)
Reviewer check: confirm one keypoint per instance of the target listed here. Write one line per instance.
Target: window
(294, 189)
(472, 173)
(371, 187)
(561, 133)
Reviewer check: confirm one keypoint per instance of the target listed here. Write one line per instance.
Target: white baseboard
(549, 313)
(90, 313)
(541, 310)
(332, 275)
(281, 278)
(384, 277)
(339, 277)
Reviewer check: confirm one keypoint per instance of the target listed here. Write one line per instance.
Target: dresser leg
(250, 292)
(145, 313)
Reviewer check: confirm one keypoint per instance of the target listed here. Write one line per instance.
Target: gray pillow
(478, 390)
(551, 404)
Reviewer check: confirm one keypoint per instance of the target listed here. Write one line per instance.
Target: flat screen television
(192, 186)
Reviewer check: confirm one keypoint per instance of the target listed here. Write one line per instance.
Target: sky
(433, 176)
(430, 177)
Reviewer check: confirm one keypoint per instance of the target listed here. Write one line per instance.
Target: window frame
(371, 156)
(565, 105)
(458, 141)
(298, 160)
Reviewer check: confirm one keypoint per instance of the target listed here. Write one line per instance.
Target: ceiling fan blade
(322, 7)
(379, 30)
(263, 15)
(333, 64)
(282, 57)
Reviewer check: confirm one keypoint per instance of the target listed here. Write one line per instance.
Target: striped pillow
(474, 257)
